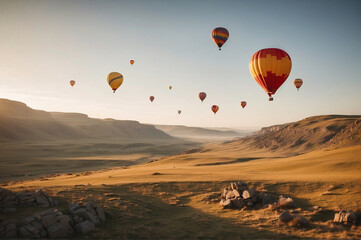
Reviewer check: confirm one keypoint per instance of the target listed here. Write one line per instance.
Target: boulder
(24, 232)
(236, 193)
(78, 219)
(224, 193)
(85, 227)
(299, 221)
(49, 220)
(346, 217)
(65, 219)
(285, 202)
(241, 186)
(41, 200)
(227, 203)
(100, 213)
(238, 203)
(230, 195)
(73, 206)
(9, 230)
(285, 217)
(249, 193)
(57, 230)
(28, 220)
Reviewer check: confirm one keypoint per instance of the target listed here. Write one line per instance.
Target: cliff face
(309, 134)
(19, 122)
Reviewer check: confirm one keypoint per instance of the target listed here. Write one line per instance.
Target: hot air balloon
(202, 96)
(151, 98)
(220, 36)
(215, 108)
(170, 87)
(72, 82)
(179, 111)
(298, 83)
(114, 80)
(131, 62)
(243, 104)
(270, 67)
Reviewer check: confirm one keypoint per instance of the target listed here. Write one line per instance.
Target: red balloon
(215, 108)
(151, 98)
(202, 96)
(243, 104)
(270, 68)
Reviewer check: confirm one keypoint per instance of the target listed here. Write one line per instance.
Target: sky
(45, 44)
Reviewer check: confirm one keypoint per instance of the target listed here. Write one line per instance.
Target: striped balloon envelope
(114, 80)
(270, 68)
(220, 36)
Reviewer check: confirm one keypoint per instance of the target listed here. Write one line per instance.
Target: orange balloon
(151, 98)
(170, 87)
(215, 108)
(202, 96)
(298, 83)
(243, 104)
(72, 82)
(270, 68)
(131, 62)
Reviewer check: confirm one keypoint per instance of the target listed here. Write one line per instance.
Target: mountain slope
(198, 133)
(309, 134)
(19, 122)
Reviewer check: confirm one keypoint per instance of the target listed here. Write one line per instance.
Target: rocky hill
(309, 134)
(20, 122)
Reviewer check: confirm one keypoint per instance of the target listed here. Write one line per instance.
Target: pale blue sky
(44, 44)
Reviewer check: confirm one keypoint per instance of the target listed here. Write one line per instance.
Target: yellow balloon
(114, 80)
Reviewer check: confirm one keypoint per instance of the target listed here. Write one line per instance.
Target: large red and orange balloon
(131, 62)
(243, 104)
(202, 96)
(151, 98)
(298, 83)
(72, 82)
(270, 67)
(215, 109)
(220, 36)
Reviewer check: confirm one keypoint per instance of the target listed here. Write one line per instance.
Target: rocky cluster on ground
(10, 201)
(52, 223)
(293, 220)
(239, 195)
(347, 217)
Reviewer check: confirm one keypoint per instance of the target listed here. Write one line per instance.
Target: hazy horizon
(45, 44)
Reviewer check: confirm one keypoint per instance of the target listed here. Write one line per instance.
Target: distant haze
(45, 44)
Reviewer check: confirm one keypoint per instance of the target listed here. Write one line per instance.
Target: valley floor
(181, 201)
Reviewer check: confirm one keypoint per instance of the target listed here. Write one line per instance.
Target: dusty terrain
(181, 201)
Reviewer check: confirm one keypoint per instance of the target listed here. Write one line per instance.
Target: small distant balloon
(72, 82)
(215, 109)
(179, 111)
(170, 87)
(298, 83)
(114, 80)
(243, 104)
(131, 62)
(220, 36)
(151, 98)
(202, 96)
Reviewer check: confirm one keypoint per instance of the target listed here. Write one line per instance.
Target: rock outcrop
(51, 223)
